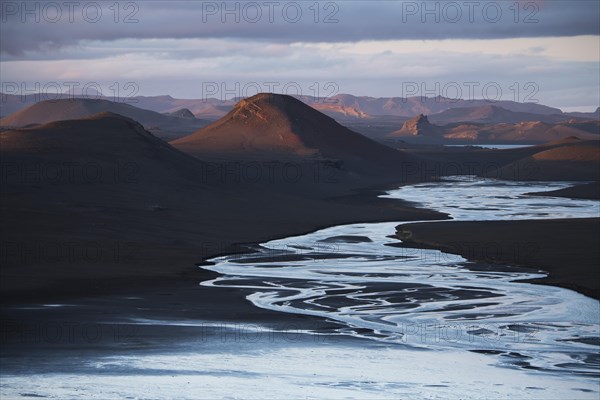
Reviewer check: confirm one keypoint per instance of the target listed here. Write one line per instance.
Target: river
(427, 299)
(397, 322)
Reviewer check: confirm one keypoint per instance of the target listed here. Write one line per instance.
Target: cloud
(377, 68)
(580, 48)
(368, 48)
(36, 26)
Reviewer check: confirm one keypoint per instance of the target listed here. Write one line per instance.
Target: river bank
(566, 248)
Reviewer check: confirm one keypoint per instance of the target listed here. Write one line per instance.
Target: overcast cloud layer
(546, 51)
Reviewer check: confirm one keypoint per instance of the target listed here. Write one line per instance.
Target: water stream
(427, 298)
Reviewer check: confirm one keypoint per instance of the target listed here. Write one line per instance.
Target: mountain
(589, 115)
(101, 139)
(103, 182)
(182, 113)
(420, 130)
(560, 142)
(364, 106)
(592, 126)
(275, 126)
(164, 126)
(567, 159)
(528, 132)
(209, 108)
(418, 126)
(346, 106)
(490, 114)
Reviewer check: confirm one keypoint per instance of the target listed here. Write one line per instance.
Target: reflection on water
(427, 298)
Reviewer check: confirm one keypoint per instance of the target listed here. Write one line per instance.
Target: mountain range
(526, 123)
(341, 106)
(420, 130)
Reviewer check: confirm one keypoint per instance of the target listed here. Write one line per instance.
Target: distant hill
(418, 127)
(491, 114)
(209, 109)
(528, 132)
(182, 113)
(164, 126)
(346, 105)
(563, 160)
(590, 115)
(277, 126)
(104, 135)
(420, 131)
(592, 126)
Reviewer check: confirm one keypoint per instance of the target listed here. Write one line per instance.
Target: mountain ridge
(341, 106)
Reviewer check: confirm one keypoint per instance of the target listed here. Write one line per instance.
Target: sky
(527, 51)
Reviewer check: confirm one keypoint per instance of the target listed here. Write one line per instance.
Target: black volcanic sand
(567, 249)
(589, 191)
(346, 239)
(148, 316)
